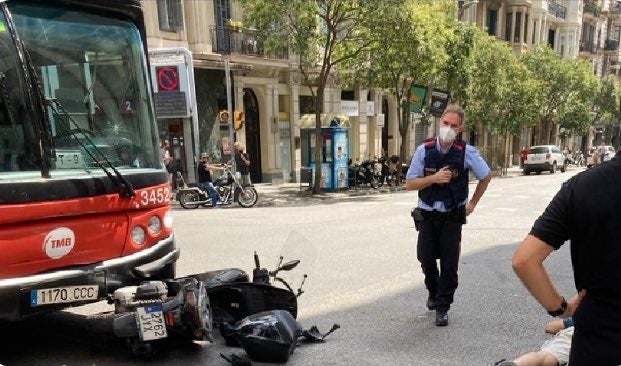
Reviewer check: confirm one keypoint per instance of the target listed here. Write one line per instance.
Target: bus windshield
(19, 147)
(92, 68)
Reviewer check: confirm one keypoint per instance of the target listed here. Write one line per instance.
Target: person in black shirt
(586, 211)
(204, 178)
(242, 163)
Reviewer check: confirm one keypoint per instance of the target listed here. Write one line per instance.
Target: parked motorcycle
(229, 188)
(389, 170)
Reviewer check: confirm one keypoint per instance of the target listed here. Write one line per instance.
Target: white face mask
(447, 134)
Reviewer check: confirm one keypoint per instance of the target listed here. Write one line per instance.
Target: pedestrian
(205, 181)
(242, 163)
(439, 171)
(553, 352)
(602, 151)
(166, 159)
(585, 212)
(523, 156)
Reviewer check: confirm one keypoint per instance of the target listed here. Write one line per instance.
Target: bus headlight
(138, 235)
(155, 225)
(168, 220)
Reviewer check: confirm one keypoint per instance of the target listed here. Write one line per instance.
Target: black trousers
(597, 332)
(440, 238)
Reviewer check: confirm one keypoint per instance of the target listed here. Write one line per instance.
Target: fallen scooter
(189, 306)
(233, 296)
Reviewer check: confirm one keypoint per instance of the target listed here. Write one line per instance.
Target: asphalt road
(359, 254)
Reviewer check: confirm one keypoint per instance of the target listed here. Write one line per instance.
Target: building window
(492, 19)
(508, 21)
(170, 15)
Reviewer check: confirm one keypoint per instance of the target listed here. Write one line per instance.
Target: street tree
(581, 107)
(503, 98)
(557, 80)
(408, 48)
(607, 107)
(455, 72)
(323, 34)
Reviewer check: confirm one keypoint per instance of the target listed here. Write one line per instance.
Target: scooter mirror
(289, 265)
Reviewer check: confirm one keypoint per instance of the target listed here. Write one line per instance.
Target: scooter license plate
(151, 323)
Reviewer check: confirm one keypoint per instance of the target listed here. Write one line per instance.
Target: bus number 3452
(154, 196)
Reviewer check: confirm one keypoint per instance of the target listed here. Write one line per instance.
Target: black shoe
(441, 318)
(431, 302)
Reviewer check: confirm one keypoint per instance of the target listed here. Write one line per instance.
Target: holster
(418, 218)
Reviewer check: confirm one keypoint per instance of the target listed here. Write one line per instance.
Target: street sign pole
(229, 107)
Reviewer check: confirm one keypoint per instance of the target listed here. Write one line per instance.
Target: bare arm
(528, 265)
(554, 326)
(478, 193)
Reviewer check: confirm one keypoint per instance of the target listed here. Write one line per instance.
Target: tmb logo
(59, 242)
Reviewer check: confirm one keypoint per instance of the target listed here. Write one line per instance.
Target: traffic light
(238, 120)
(224, 116)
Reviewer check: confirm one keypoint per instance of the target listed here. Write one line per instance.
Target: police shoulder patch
(430, 142)
(459, 145)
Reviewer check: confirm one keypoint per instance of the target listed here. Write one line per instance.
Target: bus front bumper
(16, 294)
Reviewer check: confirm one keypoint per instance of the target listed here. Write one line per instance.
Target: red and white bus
(84, 197)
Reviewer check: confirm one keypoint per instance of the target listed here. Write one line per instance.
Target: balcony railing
(615, 9)
(611, 45)
(229, 40)
(589, 47)
(557, 9)
(591, 6)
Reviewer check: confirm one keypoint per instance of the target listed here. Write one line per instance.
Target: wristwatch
(560, 311)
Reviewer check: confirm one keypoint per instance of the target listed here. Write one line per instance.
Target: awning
(327, 120)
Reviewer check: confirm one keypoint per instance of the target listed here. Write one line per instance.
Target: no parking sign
(167, 78)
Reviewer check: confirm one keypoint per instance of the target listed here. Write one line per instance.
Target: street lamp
(463, 5)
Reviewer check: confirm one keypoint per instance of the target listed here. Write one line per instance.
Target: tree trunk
(404, 124)
(318, 139)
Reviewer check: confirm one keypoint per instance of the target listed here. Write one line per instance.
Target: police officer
(439, 172)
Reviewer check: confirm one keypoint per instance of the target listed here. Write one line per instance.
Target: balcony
(230, 40)
(592, 7)
(557, 9)
(611, 45)
(615, 11)
(589, 47)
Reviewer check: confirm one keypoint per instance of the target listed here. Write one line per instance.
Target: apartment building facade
(586, 29)
(265, 86)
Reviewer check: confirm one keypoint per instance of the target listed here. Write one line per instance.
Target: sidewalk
(292, 194)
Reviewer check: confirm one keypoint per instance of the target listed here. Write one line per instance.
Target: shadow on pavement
(493, 317)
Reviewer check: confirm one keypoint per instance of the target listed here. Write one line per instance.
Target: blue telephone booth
(335, 155)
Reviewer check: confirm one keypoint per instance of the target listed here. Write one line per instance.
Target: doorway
(253, 134)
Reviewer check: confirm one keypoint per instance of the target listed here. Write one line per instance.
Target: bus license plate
(61, 295)
(151, 322)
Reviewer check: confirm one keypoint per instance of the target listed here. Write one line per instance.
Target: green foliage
(323, 34)
(608, 99)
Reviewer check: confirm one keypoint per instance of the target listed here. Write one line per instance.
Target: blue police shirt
(472, 161)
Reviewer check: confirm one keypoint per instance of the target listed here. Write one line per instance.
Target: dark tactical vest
(455, 192)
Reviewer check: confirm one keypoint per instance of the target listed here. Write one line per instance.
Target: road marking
(493, 195)
(520, 197)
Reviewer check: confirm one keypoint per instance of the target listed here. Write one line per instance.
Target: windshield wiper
(126, 190)
(6, 102)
